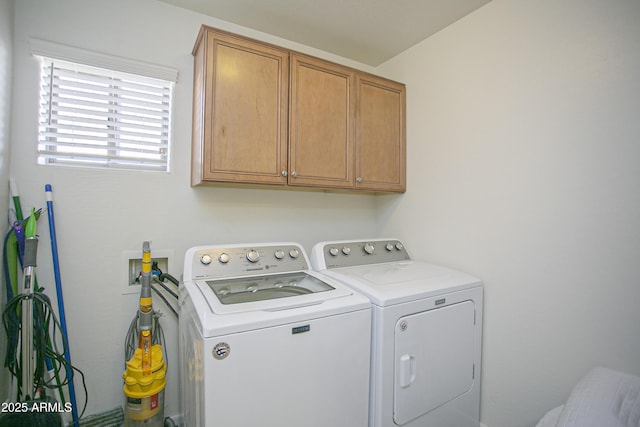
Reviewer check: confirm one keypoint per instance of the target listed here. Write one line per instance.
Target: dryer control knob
(294, 253)
(346, 250)
(279, 254)
(205, 259)
(389, 247)
(369, 248)
(253, 255)
(334, 251)
(399, 246)
(223, 258)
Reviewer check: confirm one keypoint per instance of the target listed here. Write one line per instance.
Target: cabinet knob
(359, 180)
(294, 174)
(284, 173)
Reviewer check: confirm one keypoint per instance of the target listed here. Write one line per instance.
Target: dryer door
(433, 359)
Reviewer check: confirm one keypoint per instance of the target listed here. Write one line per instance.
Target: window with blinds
(96, 117)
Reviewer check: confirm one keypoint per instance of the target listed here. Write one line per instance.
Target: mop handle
(61, 312)
(30, 251)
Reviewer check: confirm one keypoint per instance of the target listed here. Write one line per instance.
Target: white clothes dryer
(426, 332)
(264, 341)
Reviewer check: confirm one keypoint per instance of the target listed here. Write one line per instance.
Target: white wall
(524, 169)
(101, 214)
(6, 66)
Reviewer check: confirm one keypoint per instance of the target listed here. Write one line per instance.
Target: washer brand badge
(441, 301)
(300, 329)
(221, 350)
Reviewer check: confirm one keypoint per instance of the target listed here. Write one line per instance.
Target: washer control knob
(399, 246)
(369, 248)
(223, 258)
(253, 255)
(388, 247)
(294, 253)
(334, 251)
(279, 254)
(205, 259)
(346, 250)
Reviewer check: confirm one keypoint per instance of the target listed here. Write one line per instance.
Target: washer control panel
(352, 253)
(245, 260)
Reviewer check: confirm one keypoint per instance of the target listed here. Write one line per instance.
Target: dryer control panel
(348, 253)
(211, 262)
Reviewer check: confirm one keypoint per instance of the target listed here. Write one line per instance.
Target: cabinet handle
(294, 174)
(284, 173)
(359, 180)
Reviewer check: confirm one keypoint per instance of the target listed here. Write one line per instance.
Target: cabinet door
(380, 135)
(244, 111)
(322, 109)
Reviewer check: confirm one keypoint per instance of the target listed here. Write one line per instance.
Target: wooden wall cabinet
(380, 135)
(240, 111)
(264, 115)
(321, 117)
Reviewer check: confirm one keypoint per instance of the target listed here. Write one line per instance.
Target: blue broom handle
(63, 320)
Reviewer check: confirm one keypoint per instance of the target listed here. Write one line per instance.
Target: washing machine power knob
(334, 251)
(205, 259)
(369, 248)
(253, 255)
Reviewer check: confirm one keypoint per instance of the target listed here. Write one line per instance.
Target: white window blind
(96, 117)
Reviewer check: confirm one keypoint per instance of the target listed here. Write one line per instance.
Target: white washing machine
(264, 341)
(426, 333)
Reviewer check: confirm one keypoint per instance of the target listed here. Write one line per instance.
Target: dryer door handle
(407, 370)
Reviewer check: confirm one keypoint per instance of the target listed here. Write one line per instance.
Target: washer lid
(262, 288)
(311, 296)
(275, 292)
(398, 282)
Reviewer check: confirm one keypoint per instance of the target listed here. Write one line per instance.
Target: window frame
(101, 111)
